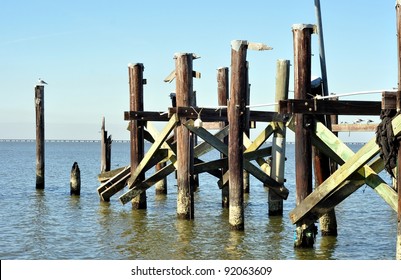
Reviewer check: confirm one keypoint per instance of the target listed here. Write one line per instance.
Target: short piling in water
(278, 143)
(184, 90)
(137, 148)
(236, 111)
(75, 180)
(40, 136)
(222, 95)
(302, 34)
(105, 148)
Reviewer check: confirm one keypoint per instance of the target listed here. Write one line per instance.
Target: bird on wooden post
(41, 82)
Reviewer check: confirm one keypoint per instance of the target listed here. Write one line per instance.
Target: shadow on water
(323, 250)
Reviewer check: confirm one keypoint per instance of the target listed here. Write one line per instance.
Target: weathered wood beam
(152, 150)
(199, 150)
(344, 153)
(330, 107)
(333, 147)
(221, 147)
(143, 186)
(118, 181)
(146, 116)
(104, 176)
(353, 127)
(365, 154)
(389, 100)
(368, 172)
(220, 114)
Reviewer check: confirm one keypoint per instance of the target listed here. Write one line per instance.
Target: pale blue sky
(82, 49)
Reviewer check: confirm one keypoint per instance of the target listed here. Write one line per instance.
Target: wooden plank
(353, 127)
(366, 153)
(343, 153)
(104, 176)
(330, 107)
(220, 114)
(389, 99)
(146, 116)
(124, 172)
(211, 165)
(152, 150)
(118, 182)
(143, 186)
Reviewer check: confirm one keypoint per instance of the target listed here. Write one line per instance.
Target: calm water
(50, 224)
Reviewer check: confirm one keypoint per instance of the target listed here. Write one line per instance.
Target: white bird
(41, 82)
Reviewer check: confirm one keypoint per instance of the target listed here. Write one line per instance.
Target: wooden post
(194, 178)
(398, 246)
(278, 144)
(303, 148)
(184, 88)
(136, 81)
(222, 93)
(236, 111)
(75, 180)
(322, 171)
(246, 122)
(161, 186)
(40, 136)
(105, 148)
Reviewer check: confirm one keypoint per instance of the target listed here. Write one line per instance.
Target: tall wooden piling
(398, 15)
(137, 148)
(302, 34)
(222, 93)
(278, 143)
(184, 89)
(247, 117)
(322, 171)
(236, 111)
(40, 136)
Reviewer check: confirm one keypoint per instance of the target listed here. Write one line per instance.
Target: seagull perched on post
(41, 82)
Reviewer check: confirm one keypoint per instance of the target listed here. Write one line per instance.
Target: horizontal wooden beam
(146, 116)
(330, 107)
(389, 100)
(353, 127)
(220, 114)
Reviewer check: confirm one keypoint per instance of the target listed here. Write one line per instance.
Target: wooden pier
(317, 146)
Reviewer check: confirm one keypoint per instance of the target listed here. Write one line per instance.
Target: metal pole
(321, 48)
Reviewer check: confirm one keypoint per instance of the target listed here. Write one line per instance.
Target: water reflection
(234, 243)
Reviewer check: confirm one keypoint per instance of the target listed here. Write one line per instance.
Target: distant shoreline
(115, 141)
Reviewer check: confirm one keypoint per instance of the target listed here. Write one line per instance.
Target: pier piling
(222, 95)
(184, 90)
(105, 148)
(75, 180)
(137, 147)
(278, 143)
(40, 136)
(236, 112)
(302, 34)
